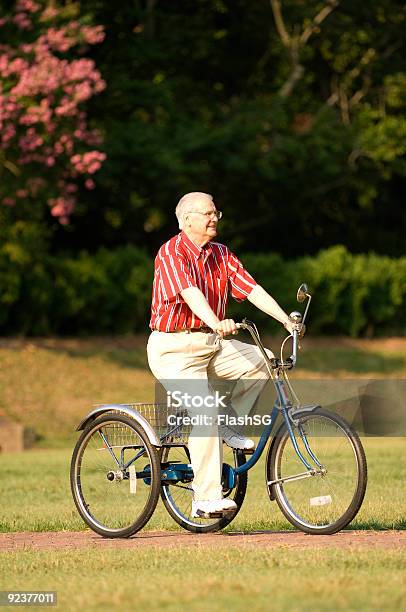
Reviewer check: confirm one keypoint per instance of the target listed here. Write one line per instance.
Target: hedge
(109, 292)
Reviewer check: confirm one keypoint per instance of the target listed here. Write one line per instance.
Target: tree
(280, 120)
(46, 145)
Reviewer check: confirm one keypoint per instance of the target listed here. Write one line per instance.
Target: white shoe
(233, 439)
(212, 508)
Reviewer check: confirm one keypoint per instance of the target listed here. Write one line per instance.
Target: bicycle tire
(115, 502)
(320, 504)
(179, 505)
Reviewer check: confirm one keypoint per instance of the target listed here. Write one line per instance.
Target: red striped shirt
(180, 264)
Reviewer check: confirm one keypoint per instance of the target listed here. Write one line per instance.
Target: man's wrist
(214, 324)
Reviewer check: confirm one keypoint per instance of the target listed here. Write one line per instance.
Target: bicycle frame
(282, 405)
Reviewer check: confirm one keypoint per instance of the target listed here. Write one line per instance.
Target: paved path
(66, 540)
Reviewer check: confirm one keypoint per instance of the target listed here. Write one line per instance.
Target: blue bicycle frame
(177, 471)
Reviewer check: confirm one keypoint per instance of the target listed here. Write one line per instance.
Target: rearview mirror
(302, 293)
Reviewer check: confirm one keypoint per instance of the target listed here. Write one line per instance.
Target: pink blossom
(9, 201)
(3, 63)
(37, 114)
(93, 35)
(22, 21)
(27, 5)
(30, 140)
(42, 119)
(62, 207)
(94, 167)
(8, 133)
(59, 40)
(89, 162)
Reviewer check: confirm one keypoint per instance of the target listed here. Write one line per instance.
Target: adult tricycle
(127, 456)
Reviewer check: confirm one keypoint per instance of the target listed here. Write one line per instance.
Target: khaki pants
(202, 358)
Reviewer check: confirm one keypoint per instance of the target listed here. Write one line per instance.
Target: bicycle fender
(133, 414)
(302, 411)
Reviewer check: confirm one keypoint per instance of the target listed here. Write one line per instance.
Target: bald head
(188, 202)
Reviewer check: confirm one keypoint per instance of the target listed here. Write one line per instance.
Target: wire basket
(158, 416)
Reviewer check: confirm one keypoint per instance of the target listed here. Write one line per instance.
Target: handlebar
(288, 363)
(297, 321)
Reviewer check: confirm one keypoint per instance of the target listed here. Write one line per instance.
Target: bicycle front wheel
(115, 476)
(327, 500)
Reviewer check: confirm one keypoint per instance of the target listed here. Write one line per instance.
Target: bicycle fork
(311, 471)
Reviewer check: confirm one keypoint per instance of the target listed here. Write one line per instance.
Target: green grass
(35, 493)
(49, 385)
(212, 578)
(338, 356)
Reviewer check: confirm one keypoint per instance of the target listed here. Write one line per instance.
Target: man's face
(201, 222)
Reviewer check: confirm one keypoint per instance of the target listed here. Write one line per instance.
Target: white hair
(186, 203)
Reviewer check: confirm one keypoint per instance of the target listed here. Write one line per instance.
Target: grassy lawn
(35, 493)
(49, 385)
(215, 579)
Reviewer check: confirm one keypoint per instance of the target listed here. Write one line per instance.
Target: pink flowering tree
(46, 145)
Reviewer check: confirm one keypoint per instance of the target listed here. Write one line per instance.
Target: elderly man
(193, 277)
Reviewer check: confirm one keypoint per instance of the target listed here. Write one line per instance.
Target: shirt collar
(196, 250)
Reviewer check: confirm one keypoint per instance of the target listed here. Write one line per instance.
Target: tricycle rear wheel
(177, 497)
(115, 499)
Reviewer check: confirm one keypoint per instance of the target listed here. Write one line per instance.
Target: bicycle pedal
(212, 515)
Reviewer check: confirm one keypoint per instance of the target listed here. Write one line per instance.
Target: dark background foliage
(291, 113)
(194, 102)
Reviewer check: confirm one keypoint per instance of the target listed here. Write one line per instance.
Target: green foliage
(193, 102)
(110, 291)
(353, 294)
(25, 279)
(105, 292)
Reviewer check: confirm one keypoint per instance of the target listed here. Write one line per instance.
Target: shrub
(110, 291)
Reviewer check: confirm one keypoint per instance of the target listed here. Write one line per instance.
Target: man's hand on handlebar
(225, 327)
(290, 327)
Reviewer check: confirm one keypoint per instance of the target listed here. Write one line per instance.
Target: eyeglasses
(208, 215)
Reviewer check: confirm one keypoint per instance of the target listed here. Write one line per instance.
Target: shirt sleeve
(241, 283)
(174, 275)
